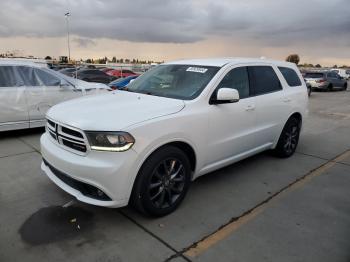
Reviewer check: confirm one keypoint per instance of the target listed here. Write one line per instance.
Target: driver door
(232, 125)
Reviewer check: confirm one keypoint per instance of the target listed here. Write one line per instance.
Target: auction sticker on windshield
(197, 69)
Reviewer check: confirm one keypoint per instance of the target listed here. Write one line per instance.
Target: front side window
(184, 82)
(237, 79)
(263, 80)
(45, 79)
(290, 76)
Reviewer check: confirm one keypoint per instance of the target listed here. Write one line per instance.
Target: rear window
(263, 80)
(290, 76)
(313, 75)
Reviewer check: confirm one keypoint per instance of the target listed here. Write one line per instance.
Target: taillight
(321, 80)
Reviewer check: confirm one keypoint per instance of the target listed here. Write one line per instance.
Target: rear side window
(291, 76)
(237, 79)
(9, 77)
(263, 80)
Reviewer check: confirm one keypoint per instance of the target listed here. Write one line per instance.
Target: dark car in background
(94, 75)
(121, 82)
(68, 71)
(327, 80)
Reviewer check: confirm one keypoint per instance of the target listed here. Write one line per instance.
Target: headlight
(110, 141)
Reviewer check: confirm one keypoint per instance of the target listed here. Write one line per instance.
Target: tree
(293, 58)
(335, 66)
(114, 59)
(89, 61)
(48, 58)
(318, 66)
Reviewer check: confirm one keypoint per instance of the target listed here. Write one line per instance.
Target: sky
(317, 30)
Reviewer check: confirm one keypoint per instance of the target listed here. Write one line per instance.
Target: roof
(223, 61)
(27, 62)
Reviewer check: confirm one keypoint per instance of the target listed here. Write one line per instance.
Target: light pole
(67, 15)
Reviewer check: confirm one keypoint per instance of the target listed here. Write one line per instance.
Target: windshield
(184, 82)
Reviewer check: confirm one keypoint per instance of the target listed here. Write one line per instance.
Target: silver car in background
(28, 90)
(327, 80)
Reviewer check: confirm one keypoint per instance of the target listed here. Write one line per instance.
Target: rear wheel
(330, 87)
(345, 86)
(162, 182)
(289, 138)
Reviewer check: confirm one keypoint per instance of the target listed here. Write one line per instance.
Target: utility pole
(67, 15)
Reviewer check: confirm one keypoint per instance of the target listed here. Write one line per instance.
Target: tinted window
(237, 79)
(45, 79)
(313, 75)
(331, 75)
(291, 76)
(9, 77)
(28, 75)
(263, 79)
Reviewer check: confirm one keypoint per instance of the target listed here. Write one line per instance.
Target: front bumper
(112, 173)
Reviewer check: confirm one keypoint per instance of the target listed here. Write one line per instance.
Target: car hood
(113, 111)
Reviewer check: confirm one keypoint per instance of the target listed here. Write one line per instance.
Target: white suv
(180, 120)
(28, 90)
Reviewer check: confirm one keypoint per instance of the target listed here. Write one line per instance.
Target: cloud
(84, 42)
(273, 22)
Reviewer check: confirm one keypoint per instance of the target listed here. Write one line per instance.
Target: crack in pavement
(18, 154)
(177, 253)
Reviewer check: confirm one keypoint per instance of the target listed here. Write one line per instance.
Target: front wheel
(162, 182)
(289, 138)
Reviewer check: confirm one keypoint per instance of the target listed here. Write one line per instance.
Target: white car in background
(174, 123)
(28, 90)
(342, 72)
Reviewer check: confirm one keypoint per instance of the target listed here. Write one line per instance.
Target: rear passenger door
(272, 106)
(13, 106)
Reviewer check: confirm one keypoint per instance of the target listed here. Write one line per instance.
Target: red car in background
(121, 73)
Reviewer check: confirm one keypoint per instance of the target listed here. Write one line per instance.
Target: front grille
(67, 137)
(85, 189)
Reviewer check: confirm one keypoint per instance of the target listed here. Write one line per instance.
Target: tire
(289, 138)
(309, 92)
(330, 88)
(345, 87)
(162, 182)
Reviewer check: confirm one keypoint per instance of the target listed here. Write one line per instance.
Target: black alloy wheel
(162, 182)
(167, 183)
(289, 138)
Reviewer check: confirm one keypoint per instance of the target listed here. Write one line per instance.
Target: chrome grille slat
(77, 144)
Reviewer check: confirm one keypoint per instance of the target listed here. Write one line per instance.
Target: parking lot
(260, 209)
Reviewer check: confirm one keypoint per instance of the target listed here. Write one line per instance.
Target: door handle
(250, 108)
(286, 100)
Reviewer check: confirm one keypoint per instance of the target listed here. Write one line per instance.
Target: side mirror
(225, 95)
(132, 80)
